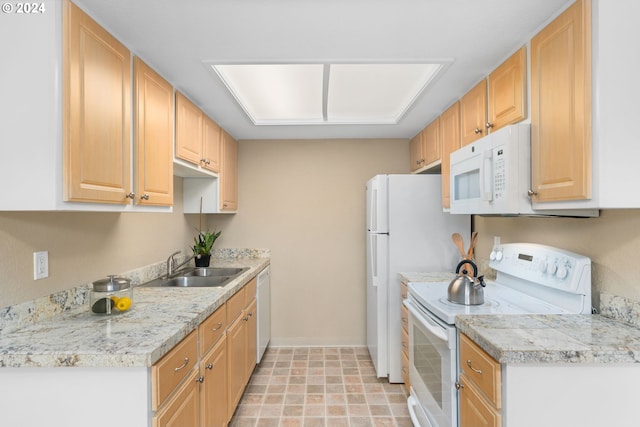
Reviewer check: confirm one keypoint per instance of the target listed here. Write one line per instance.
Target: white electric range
(530, 279)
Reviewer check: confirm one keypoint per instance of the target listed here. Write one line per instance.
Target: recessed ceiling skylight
(290, 94)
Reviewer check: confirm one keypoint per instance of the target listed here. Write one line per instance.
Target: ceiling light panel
(276, 93)
(298, 94)
(375, 93)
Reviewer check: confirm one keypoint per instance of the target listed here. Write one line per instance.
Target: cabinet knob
(489, 125)
(130, 196)
(459, 386)
(209, 366)
(532, 193)
(477, 130)
(200, 380)
(145, 196)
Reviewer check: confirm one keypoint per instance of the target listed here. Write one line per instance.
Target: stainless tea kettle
(464, 289)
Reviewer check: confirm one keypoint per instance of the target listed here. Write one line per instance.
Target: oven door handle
(426, 322)
(412, 404)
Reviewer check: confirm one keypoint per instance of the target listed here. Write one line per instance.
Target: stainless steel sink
(197, 277)
(210, 271)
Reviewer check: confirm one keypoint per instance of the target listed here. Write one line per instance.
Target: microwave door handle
(486, 176)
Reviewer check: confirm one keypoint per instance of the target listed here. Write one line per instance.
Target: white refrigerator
(407, 231)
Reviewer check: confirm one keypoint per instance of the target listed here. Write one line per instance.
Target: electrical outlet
(40, 265)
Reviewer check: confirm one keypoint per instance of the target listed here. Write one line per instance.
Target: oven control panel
(543, 265)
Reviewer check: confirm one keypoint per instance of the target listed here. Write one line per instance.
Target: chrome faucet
(171, 268)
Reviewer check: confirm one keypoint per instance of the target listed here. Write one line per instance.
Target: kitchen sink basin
(210, 271)
(197, 277)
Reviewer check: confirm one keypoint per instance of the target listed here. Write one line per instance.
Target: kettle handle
(467, 261)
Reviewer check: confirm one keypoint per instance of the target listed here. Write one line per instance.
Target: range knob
(499, 255)
(562, 272)
(551, 268)
(492, 255)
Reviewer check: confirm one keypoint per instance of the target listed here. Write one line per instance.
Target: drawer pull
(217, 327)
(184, 365)
(477, 371)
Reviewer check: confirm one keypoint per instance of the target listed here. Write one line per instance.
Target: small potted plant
(203, 243)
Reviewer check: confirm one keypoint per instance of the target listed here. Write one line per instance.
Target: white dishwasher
(264, 311)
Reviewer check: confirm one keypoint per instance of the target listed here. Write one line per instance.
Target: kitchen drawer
(235, 305)
(481, 369)
(212, 328)
(475, 410)
(169, 371)
(405, 341)
(404, 318)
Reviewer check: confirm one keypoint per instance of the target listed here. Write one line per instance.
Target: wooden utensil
(459, 241)
(472, 245)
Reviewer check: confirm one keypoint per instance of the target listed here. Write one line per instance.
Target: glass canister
(112, 295)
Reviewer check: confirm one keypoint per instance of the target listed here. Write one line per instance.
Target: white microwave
(492, 176)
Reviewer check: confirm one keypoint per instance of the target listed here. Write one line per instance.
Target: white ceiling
(180, 38)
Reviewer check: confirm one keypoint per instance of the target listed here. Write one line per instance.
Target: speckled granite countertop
(580, 338)
(160, 319)
(612, 337)
(440, 276)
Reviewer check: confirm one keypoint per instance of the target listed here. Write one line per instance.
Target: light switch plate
(40, 265)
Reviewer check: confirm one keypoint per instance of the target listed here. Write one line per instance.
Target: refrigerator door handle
(378, 258)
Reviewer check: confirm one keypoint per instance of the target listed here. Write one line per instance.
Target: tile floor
(320, 387)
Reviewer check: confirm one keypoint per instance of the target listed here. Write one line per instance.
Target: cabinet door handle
(489, 125)
(184, 365)
(130, 196)
(209, 366)
(145, 196)
(459, 386)
(477, 130)
(217, 327)
(200, 380)
(532, 193)
(477, 371)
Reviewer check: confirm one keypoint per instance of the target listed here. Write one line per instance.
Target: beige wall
(305, 201)
(84, 247)
(611, 241)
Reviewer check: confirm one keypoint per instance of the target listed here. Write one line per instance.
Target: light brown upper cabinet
(561, 107)
(189, 119)
(153, 141)
(431, 142)
(197, 136)
(97, 112)
(416, 158)
(424, 148)
(210, 145)
(508, 91)
(450, 142)
(473, 114)
(229, 173)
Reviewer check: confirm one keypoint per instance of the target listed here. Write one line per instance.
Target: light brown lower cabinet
(182, 409)
(213, 393)
(480, 391)
(201, 385)
(242, 347)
